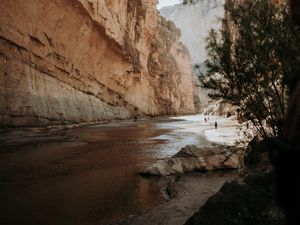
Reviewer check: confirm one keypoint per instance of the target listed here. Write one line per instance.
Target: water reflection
(88, 179)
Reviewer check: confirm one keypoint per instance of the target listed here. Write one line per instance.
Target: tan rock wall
(79, 61)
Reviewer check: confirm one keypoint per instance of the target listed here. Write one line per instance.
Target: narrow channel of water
(91, 178)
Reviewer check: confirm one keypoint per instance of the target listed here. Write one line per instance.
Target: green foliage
(252, 60)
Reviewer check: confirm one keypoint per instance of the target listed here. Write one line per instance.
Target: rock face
(253, 198)
(191, 158)
(84, 61)
(220, 108)
(195, 18)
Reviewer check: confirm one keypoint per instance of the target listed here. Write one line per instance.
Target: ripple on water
(92, 179)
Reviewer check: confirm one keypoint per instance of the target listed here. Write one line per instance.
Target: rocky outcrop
(220, 108)
(254, 197)
(191, 158)
(85, 61)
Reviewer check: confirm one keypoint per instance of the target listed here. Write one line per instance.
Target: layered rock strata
(85, 61)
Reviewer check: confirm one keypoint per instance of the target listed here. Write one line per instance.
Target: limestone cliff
(84, 61)
(195, 18)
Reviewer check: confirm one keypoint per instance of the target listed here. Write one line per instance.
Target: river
(90, 175)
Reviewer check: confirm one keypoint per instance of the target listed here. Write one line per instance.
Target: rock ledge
(192, 158)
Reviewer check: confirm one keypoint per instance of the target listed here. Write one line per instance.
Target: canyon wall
(85, 61)
(196, 18)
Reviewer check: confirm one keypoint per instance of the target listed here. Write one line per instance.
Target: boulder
(192, 158)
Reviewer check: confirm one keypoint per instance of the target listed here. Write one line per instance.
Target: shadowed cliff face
(169, 68)
(84, 61)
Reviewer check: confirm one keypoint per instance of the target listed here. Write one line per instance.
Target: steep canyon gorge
(99, 123)
(85, 61)
(195, 19)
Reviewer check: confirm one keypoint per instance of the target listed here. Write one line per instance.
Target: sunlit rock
(84, 61)
(192, 158)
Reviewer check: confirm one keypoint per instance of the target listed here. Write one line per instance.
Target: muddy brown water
(90, 178)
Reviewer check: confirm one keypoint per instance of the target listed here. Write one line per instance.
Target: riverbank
(253, 198)
(225, 149)
(14, 136)
(191, 192)
(89, 175)
(227, 126)
(247, 197)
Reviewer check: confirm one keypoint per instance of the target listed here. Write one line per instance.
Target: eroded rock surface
(84, 61)
(253, 198)
(191, 158)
